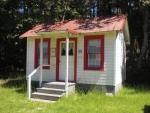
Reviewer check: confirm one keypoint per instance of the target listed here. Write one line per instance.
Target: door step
(45, 96)
(52, 91)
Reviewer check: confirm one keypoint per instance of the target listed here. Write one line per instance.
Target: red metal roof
(29, 33)
(103, 23)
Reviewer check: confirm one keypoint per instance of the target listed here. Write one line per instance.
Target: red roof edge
(72, 31)
(29, 33)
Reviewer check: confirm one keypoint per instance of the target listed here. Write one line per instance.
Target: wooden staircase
(52, 91)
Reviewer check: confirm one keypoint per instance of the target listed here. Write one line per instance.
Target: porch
(48, 91)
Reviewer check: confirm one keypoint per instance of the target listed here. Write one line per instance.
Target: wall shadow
(19, 83)
(146, 109)
(137, 89)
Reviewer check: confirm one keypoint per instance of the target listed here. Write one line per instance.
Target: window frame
(37, 42)
(86, 39)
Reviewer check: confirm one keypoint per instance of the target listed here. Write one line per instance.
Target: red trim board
(37, 41)
(86, 38)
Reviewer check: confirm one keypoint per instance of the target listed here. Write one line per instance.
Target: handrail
(33, 72)
(29, 81)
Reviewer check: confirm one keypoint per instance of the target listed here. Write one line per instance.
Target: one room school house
(87, 52)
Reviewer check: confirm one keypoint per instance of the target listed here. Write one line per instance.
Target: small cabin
(87, 52)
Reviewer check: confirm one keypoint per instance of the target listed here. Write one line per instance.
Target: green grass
(130, 99)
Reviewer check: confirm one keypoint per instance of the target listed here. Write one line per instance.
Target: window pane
(71, 49)
(94, 60)
(94, 46)
(45, 53)
(63, 49)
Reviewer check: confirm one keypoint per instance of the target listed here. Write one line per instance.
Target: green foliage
(145, 2)
(135, 77)
(130, 99)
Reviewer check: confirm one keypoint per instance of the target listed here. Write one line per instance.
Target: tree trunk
(65, 10)
(145, 40)
(98, 8)
(64, 14)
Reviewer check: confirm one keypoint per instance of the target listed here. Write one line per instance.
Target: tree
(145, 7)
(21, 15)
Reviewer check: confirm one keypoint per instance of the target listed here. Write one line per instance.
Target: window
(94, 52)
(46, 53)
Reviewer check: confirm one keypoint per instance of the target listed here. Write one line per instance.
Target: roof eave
(30, 33)
(127, 33)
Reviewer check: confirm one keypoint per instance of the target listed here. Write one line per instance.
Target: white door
(62, 60)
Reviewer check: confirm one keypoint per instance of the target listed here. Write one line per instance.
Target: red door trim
(57, 57)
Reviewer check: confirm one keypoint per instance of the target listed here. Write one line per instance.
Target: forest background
(18, 16)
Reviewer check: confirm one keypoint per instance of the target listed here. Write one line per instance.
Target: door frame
(58, 55)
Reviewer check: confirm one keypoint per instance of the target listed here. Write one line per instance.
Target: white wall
(48, 74)
(97, 77)
(105, 77)
(120, 56)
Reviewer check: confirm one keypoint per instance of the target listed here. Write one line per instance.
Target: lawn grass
(130, 99)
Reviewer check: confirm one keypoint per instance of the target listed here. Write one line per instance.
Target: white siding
(97, 77)
(120, 68)
(48, 74)
(30, 55)
(105, 77)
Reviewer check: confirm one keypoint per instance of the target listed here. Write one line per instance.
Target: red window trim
(37, 41)
(86, 38)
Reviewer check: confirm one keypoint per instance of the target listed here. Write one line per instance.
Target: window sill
(46, 67)
(94, 69)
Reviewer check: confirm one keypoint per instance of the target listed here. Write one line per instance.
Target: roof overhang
(32, 33)
(126, 32)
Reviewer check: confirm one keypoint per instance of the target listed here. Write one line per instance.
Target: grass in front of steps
(130, 99)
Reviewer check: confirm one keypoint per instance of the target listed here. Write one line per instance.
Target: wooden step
(51, 90)
(57, 85)
(45, 96)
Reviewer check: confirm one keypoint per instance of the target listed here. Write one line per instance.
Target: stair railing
(29, 81)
